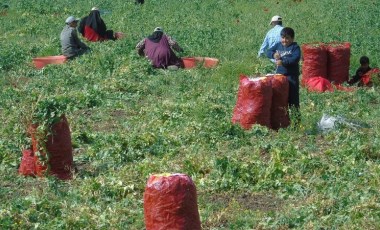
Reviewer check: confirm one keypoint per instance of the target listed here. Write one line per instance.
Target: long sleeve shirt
(70, 43)
(272, 38)
(173, 44)
(358, 75)
(290, 57)
(160, 53)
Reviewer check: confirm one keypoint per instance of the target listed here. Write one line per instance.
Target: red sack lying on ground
(59, 148)
(366, 79)
(279, 117)
(170, 202)
(338, 65)
(314, 61)
(254, 101)
(319, 84)
(27, 166)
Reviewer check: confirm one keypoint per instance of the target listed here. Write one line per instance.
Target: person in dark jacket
(363, 69)
(93, 28)
(287, 55)
(71, 45)
(158, 48)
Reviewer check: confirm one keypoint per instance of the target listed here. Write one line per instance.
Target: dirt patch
(223, 204)
(255, 202)
(18, 82)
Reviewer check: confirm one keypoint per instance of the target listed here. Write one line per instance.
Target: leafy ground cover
(129, 121)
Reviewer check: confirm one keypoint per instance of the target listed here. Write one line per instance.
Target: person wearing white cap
(93, 28)
(71, 45)
(273, 36)
(158, 48)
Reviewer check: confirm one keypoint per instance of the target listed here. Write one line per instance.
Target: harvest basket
(41, 62)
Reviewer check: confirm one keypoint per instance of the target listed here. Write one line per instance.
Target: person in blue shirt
(273, 36)
(287, 55)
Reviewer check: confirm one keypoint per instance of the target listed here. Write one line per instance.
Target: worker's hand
(277, 56)
(278, 62)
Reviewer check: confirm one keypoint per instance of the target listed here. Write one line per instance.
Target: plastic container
(41, 62)
(210, 62)
(189, 62)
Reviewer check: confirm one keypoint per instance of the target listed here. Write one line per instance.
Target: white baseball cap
(158, 29)
(94, 8)
(276, 18)
(71, 19)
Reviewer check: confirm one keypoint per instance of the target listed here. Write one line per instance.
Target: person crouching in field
(71, 45)
(158, 48)
(363, 69)
(287, 55)
(93, 28)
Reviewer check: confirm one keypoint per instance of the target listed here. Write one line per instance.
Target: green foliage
(129, 120)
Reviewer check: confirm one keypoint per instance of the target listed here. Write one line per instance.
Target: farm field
(129, 121)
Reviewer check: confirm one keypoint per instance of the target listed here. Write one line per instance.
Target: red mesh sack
(366, 79)
(279, 117)
(60, 150)
(170, 202)
(27, 166)
(338, 65)
(40, 166)
(314, 61)
(59, 147)
(319, 84)
(254, 102)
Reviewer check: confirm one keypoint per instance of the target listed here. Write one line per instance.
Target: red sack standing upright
(338, 66)
(253, 105)
(59, 149)
(170, 202)
(279, 116)
(314, 61)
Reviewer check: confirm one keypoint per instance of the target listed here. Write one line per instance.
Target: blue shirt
(272, 38)
(290, 57)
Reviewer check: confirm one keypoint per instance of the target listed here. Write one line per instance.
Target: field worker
(70, 43)
(363, 69)
(287, 55)
(93, 28)
(158, 48)
(273, 36)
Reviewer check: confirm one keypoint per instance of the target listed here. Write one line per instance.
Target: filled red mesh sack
(314, 61)
(367, 78)
(59, 149)
(279, 117)
(40, 165)
(170, 202)
(338, 65)
(27, 166)
(319, 84)
(254, 101)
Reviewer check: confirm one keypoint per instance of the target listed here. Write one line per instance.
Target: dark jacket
(358, 75)
(290, 57)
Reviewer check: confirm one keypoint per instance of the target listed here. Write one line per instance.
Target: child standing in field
(287, 55)
(363, 69)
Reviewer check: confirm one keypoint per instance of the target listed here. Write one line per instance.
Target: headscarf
(156, 36)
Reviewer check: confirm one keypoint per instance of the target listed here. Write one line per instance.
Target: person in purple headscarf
(158, 48)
